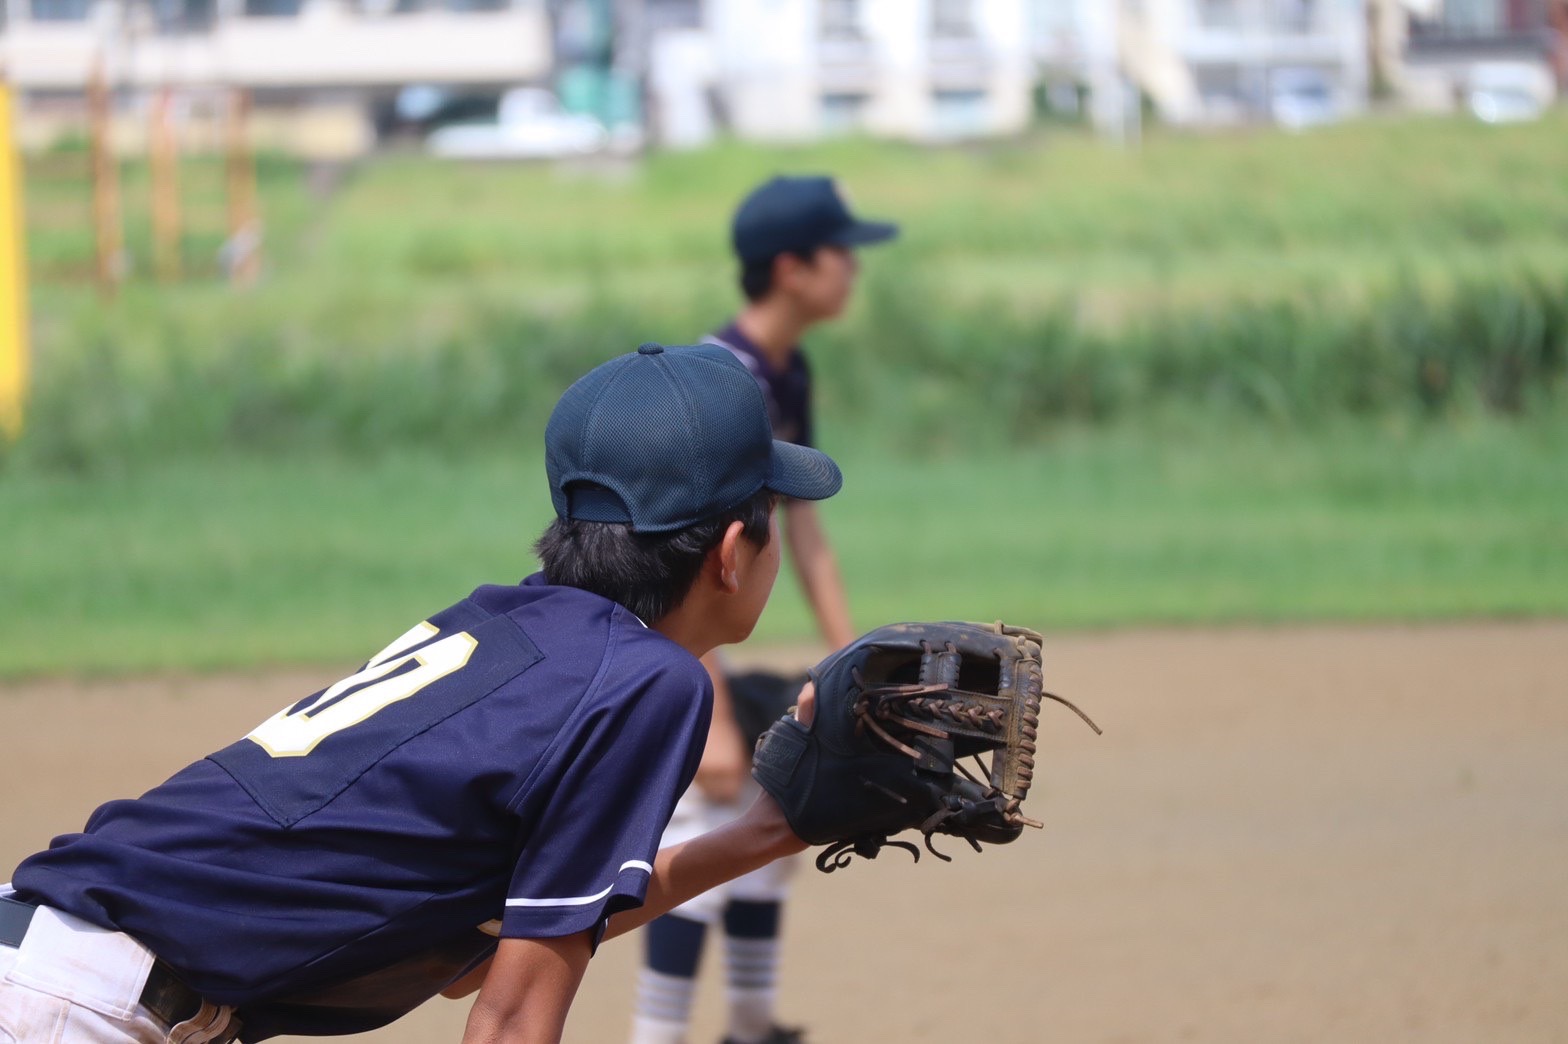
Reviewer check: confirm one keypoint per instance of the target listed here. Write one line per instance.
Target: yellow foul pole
(13, 278)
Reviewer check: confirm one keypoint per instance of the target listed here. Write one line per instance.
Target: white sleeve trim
(584, 900)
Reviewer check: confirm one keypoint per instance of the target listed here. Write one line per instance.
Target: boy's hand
(806, 705)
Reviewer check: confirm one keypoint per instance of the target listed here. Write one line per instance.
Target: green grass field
(279, 560)
(1249, 377)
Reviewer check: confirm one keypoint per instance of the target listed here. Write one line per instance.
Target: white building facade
(1224, 61)
(323, 60)
(52, 44)
(927, 70)
(801, 69)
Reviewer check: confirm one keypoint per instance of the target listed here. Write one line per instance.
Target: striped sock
(667, 981)
(663, 1008)
(752, 989)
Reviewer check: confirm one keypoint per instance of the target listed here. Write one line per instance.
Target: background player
(476, 807)
(795, 239)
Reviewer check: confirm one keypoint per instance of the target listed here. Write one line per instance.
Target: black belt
(164, 995)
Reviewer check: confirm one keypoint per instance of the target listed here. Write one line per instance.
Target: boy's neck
(774, 326)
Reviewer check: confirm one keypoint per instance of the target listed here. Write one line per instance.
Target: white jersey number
(294, 731)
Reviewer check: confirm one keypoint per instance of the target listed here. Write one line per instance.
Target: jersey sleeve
(598, 819)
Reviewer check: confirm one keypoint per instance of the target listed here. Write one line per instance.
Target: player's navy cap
(663, 438)
(800, 214)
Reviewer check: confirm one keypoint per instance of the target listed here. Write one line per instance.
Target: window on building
(672, 14)
(1294, 16)
(952, 19)
(182, 16)
(843, 112)
(60, 10)
(1479, 18)
(1484, 18)
(1219, 14)
(1052, 19)
(1474, 16)
(958, 113)
(841, 20)
(272, 8)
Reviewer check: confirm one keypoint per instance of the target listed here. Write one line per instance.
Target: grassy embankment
(1238, 378)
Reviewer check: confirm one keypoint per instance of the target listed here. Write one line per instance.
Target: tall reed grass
(1415, 268)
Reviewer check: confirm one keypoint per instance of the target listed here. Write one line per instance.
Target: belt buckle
(199, 1026)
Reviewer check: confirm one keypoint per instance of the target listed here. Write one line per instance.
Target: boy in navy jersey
(482, 802)
(795, 239)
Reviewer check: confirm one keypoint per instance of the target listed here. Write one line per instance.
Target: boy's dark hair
(648, 573)
(756, 277)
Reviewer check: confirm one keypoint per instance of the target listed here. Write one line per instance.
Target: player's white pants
(71, 982)
(695, 815)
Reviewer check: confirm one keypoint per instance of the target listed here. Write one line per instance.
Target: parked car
(1302, 97)
(529, 124)
(1507, 92)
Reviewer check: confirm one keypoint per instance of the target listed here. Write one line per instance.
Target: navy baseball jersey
(505, 768)
(787, 390)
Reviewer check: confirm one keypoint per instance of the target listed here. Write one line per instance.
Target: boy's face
(758, 568)
(822, 285)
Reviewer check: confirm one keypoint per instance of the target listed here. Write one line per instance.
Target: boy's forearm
(528, 989)
(682, 871)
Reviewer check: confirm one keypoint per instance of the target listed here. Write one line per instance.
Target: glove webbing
(906, 704)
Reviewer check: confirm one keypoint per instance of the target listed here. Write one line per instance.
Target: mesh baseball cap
(800, 214)
(663, 438)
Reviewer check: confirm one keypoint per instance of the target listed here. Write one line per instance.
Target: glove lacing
(907, 704)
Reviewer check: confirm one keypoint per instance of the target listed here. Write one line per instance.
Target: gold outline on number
(390, 666)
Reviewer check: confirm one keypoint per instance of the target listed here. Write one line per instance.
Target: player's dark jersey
(787, 390)
(505, 768)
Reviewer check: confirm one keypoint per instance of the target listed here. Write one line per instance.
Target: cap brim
(865, 233)
(803, 473)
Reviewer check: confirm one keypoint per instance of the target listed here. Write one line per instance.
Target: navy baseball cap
(800, 214)
(663, 438)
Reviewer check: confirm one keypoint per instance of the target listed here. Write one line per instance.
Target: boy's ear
(725, 557)
(785, 267)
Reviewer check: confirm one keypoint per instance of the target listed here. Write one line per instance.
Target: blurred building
(1440, 55)
(946, 68)
(1296, 62)
(330, 76)
(1077, 52)
(798, 69)
(317, 69)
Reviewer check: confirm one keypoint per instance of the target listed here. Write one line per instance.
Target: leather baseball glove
(896, 713)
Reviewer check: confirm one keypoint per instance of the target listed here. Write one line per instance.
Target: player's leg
(673, 944)
(667, 980)
(752, 922)
(751, 952)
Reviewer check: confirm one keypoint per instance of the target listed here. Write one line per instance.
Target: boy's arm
(683, 871)
(528, 990)
(817, 568)
(529, 983)
(508, 1000)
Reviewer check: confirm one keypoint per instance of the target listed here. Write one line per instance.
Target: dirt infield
(1284, 835)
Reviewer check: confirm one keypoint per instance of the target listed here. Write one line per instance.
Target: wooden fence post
(109, 237)
(163, 160)
(243, 249)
